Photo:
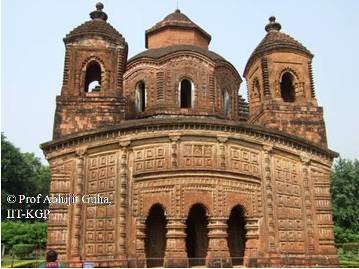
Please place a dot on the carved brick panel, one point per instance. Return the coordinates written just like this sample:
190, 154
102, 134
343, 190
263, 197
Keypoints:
289, 201
100, 219
323, 207
177, 195
244, 161
62, 173
195, 155
151, 158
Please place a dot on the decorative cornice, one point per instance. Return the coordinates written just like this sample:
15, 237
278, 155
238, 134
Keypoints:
149, 125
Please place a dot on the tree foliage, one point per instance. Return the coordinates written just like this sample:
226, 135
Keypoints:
14, 233
22, 173
345, 198
345, 194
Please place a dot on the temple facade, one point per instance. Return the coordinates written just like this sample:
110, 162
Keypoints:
194, 174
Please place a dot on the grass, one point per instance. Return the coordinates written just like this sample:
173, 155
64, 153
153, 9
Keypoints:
8, 261
349, 264
348, 258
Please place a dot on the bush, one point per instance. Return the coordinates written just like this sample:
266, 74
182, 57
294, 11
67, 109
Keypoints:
343, 236
13, 233
23, 250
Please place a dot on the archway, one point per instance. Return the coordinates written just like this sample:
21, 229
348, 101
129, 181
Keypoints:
185, 94
140, 97
155, 241
287, 88
197, 235
236, 235
93, 77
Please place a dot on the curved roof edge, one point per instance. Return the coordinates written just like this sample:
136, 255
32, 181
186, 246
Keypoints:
97, 26
235, 125
157, 54
176, 20
276, 40
162, 52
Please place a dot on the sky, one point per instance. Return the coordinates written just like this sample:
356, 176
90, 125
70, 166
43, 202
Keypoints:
32, 53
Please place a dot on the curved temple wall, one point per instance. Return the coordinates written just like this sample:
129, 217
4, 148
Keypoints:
282, 183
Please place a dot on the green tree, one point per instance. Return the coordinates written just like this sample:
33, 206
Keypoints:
15, 171
22, 173
345, 192
345, 198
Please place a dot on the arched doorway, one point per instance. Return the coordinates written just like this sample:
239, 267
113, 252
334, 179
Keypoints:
155, 241
197, 235
236, 235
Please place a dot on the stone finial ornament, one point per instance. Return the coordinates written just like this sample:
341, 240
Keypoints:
273, 25
98, 13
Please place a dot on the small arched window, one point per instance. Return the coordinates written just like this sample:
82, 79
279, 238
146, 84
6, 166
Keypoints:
140, 96
93, 77
226, 103
185, 94
287, 88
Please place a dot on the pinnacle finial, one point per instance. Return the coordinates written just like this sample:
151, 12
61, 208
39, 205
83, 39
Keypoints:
273, 25
99, 6
98, 13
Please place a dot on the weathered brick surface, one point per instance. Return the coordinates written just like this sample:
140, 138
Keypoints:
79, 114
176, 37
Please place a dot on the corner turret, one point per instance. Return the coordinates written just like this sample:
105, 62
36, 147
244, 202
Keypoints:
280, 86
92, 90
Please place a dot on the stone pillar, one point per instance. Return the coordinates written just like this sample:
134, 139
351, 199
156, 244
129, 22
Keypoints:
122, 198
218, 253
140, 244
308, 216
252, 239
269, 206
75, 249
176, 255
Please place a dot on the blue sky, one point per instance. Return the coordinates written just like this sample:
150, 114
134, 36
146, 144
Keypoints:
33, 53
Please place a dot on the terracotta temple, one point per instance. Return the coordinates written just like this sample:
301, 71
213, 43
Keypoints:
195, 175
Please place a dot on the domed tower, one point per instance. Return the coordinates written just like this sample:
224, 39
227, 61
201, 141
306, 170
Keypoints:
95, 60
178, 75
280, 87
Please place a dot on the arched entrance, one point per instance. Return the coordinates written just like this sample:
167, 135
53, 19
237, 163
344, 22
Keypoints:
197, 235
155, 241
236, 235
